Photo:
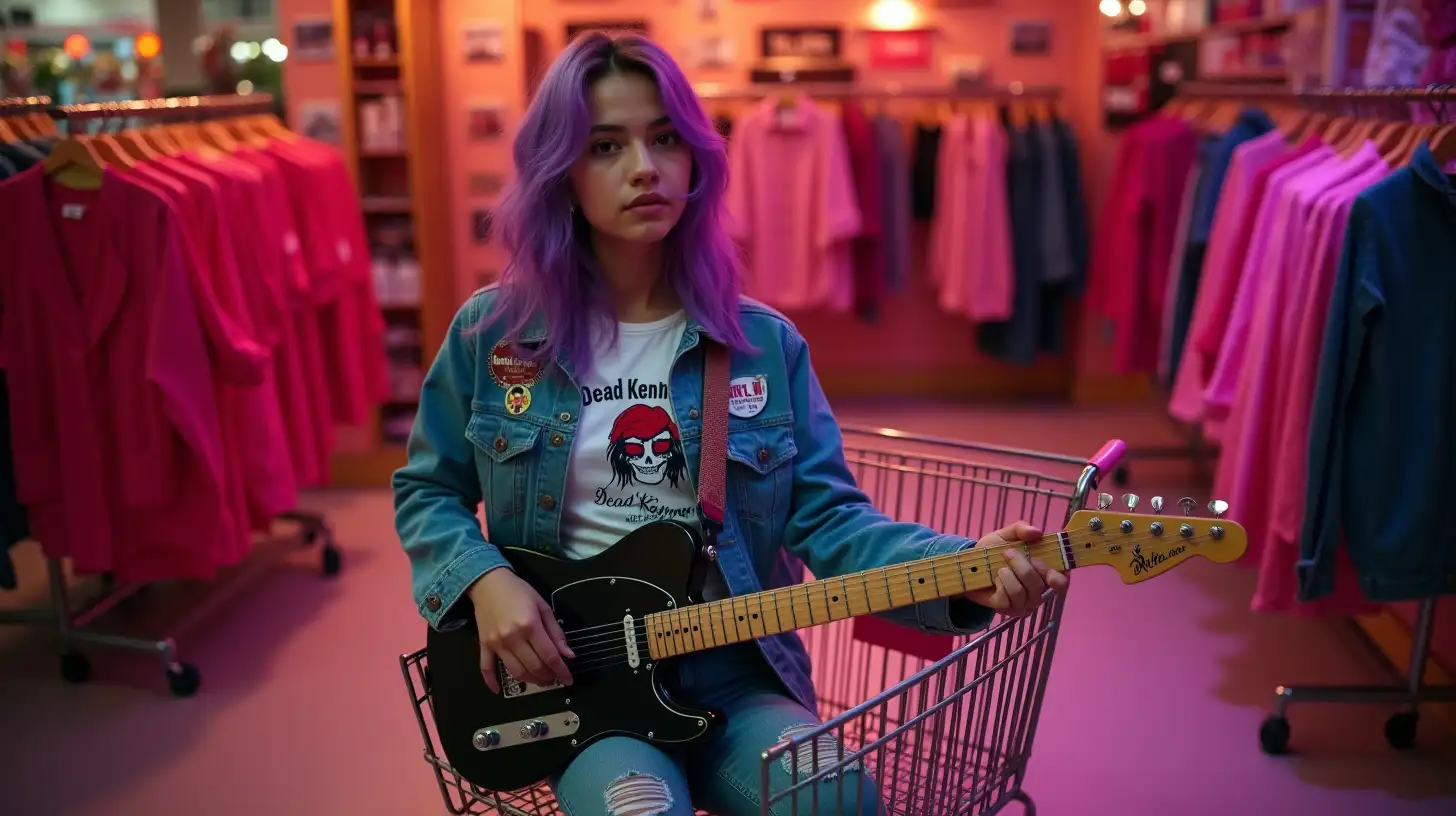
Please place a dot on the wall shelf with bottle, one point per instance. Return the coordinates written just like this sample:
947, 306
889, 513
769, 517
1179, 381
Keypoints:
390, 79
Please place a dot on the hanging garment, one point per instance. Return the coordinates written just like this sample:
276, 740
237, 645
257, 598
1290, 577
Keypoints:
970, 252
1382, 456
1131, 256
793, 206
923, 179
118, 451
895, 203
864, 161
1016, 340
14, 525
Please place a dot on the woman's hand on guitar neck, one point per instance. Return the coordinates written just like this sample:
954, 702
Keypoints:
517, 626
1021, 583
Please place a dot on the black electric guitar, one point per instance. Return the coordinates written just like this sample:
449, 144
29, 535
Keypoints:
627, 610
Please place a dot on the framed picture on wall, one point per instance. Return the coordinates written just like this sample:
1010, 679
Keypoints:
485, 121
1031, 38
485, 41
320, 120
313, 39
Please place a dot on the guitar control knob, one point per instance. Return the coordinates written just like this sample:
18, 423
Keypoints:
534, 729
485, 739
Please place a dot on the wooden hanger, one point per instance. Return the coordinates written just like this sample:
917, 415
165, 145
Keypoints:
42, 124
215, 135
137, 145
112, 152
74, 163
7, 134
1443, 145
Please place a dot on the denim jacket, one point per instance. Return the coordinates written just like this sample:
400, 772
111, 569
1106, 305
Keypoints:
790, 495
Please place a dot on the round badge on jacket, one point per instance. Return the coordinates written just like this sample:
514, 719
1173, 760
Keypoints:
518, 399
507, 369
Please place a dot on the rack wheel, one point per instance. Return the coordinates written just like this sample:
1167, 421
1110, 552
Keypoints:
183, 679
1274, 736
332, 559
1120, 476
75, 667
1400, 730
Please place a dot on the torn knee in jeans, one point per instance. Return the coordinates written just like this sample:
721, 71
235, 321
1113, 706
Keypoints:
638, 794
822, 753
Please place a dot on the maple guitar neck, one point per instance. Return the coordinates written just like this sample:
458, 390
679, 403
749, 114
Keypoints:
1137, 546
772, 612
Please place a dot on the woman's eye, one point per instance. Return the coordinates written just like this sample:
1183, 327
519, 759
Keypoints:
604, 147
668, 139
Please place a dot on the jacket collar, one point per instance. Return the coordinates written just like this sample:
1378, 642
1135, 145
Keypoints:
1430, 171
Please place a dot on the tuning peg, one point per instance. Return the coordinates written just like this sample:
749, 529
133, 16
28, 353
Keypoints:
1218, 507
1131, 499
1188, 505
1104, 501
1157, 504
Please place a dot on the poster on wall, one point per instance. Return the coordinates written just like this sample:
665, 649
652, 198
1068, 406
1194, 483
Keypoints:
313, 40
573, 29
485, 41
1031, 39
321, 120
901, 50
485, 184
481, 224
485, 121
713, 51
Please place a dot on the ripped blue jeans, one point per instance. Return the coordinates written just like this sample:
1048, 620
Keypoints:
720, 773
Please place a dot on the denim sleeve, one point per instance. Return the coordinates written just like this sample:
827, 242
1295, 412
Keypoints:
1340, 355
835, 530
437, 492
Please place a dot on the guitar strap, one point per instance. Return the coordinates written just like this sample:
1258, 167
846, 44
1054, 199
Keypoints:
712, 459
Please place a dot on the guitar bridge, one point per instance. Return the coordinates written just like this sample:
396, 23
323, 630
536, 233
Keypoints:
629, 631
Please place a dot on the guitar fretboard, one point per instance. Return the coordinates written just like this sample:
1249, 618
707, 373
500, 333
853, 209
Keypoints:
772, 612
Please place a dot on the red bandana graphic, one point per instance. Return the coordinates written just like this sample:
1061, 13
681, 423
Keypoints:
645, 448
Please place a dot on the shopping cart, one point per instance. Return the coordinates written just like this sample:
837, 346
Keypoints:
944, 725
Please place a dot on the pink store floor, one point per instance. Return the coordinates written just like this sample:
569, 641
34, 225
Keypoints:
1156, 693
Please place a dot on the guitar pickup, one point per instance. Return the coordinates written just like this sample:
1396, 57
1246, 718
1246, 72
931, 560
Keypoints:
629, 631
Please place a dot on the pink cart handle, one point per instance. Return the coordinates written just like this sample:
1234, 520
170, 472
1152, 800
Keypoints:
1107, 458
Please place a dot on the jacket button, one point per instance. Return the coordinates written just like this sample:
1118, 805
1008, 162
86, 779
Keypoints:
763, 455
500, 444
546, 502
564, 416
432, 603
557, 439
692, 413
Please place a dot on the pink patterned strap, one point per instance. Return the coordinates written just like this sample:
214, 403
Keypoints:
713, 461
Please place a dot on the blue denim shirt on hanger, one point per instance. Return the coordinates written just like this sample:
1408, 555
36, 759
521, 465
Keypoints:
790, 493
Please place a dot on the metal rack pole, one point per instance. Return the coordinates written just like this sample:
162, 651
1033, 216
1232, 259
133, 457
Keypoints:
72, 626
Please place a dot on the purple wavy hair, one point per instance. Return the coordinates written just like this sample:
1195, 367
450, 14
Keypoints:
551, 271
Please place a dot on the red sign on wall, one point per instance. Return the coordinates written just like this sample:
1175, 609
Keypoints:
901, 50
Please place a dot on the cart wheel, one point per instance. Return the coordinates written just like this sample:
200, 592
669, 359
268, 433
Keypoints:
75, 668
1274, 736
1400, 730
1119, 476
332, 559
183, 679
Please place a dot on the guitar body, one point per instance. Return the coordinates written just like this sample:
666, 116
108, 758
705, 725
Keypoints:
518, 738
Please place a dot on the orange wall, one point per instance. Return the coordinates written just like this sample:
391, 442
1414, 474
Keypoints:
914, 346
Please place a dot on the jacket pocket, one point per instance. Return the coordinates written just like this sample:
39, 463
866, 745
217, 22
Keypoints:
502, 446
766, 478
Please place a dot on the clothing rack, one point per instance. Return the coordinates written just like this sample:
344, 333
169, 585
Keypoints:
74, 626
1012, 92
1400, 728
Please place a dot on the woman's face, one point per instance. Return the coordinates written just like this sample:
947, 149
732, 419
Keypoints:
632, 182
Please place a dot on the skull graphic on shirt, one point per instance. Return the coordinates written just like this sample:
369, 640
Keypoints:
645, 447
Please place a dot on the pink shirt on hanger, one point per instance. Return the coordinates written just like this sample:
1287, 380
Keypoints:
121, 455
1308, 315
971, 232
1265, 247
791, 197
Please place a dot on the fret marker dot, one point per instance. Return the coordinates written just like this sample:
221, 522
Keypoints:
973, 569
922, 580
755, 616
740, 618
835, 599
695, 628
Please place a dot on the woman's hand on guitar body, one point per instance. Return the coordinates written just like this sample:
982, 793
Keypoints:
517, 626
1021, 583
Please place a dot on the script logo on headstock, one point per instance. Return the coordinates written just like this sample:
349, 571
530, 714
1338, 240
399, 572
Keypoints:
1147, 562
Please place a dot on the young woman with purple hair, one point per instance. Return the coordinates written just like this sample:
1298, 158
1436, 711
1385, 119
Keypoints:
568, 398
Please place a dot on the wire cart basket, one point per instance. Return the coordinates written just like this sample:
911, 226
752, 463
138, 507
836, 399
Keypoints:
943, 724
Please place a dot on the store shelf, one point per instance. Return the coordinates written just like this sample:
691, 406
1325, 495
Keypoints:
1118, 41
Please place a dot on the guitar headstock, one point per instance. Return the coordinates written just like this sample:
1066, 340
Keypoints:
1142, 545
